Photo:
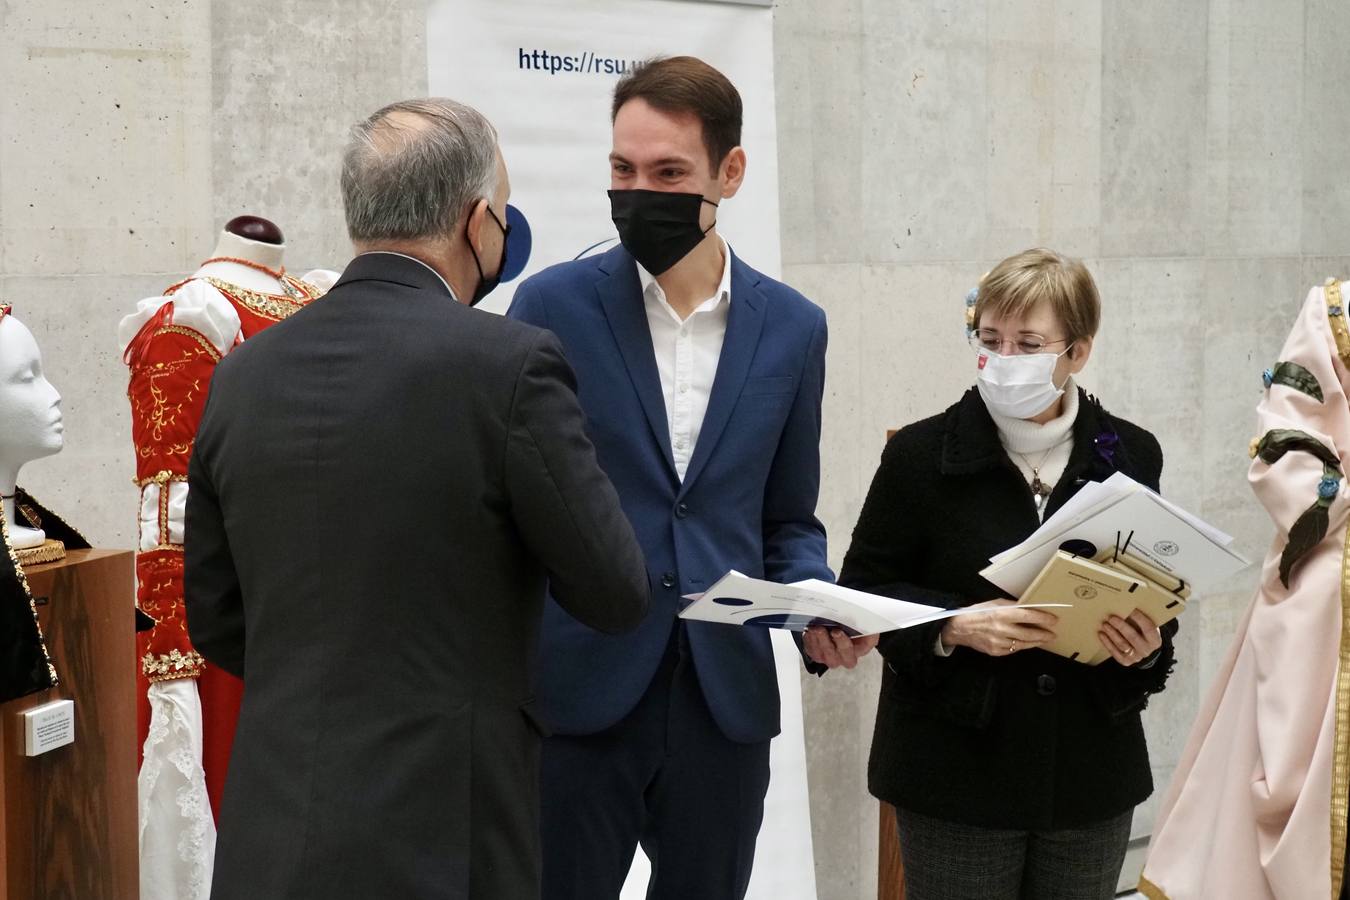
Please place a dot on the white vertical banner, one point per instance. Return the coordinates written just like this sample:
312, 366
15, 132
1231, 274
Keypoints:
543, 71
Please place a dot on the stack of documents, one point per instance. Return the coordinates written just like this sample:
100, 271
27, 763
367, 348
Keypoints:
1112, 586
1124, 517
738, 599
1116, 546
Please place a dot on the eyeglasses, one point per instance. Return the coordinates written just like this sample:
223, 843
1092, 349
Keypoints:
987, 339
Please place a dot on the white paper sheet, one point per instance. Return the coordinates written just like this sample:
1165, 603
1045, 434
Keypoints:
1155, 530
738, 599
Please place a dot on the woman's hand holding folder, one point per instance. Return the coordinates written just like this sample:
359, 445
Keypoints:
1131, 640
1002, 631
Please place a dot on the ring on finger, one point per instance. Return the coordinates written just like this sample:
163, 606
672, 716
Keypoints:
1012, 648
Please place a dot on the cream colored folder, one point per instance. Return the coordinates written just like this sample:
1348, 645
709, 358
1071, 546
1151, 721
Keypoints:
1097, 590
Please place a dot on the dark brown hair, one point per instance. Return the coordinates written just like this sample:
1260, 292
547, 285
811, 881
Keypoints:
685, 84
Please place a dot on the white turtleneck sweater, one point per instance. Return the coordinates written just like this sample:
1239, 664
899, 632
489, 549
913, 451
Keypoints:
1036, 450
1041, 450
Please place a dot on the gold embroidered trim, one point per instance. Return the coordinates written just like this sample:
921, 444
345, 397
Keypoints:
172, 665
184, 449
49, 551
270, 306
163, 413
197, 336
1150, 890
310, 291
27, 592
1340, 760
163, 514
161, 478
1336, 314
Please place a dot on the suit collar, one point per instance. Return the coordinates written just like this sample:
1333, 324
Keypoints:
745, 324
397, 268
620, 294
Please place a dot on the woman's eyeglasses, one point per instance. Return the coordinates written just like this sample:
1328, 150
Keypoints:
990, 340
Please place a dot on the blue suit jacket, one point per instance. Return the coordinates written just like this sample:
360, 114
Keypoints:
747, 501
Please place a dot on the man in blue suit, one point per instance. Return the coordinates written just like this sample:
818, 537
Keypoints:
701, 380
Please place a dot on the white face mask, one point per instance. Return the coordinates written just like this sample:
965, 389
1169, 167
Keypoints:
1020, 386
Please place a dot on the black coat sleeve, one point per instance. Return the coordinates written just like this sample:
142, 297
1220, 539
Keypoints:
212, 600
886, 556
1122, 689
565, 507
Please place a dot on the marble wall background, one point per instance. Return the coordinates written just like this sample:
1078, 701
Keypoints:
1191, 151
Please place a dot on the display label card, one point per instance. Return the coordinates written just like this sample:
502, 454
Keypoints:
48, 726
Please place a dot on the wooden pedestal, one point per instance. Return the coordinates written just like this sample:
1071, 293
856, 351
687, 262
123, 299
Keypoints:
891, 876
68, 828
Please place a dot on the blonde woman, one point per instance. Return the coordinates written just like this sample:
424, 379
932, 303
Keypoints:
1014, 771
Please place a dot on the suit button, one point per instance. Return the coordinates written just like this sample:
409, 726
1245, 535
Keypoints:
668, 580
1045, 685
682, 511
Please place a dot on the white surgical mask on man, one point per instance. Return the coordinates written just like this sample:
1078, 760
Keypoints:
1018, 386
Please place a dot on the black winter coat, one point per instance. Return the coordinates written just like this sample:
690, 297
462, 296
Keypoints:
1028, 741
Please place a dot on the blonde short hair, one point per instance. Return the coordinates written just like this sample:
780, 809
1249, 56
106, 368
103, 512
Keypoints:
1022, 282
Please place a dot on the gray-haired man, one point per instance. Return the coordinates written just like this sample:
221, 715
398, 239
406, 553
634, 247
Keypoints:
382, 485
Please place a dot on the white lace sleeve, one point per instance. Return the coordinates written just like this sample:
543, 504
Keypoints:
177, 830
196, 305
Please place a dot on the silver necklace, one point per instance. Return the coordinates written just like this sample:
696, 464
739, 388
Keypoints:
1040, 491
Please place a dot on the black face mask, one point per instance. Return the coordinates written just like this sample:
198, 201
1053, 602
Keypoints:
658, 227
486, 284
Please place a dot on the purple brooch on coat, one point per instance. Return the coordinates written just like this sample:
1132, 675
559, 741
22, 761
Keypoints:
1105, 444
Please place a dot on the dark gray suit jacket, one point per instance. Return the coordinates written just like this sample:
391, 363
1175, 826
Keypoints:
381, 488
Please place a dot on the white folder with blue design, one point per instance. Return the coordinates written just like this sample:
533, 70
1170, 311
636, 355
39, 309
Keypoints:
738, 599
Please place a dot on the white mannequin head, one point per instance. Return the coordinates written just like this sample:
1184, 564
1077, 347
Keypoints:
30, 410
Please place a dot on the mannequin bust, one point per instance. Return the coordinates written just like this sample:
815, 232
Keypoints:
255, 240
31, 410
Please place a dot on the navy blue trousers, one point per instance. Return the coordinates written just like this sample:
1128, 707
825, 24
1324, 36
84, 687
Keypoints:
665, 777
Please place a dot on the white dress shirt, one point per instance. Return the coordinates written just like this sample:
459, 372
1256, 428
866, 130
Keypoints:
687, 352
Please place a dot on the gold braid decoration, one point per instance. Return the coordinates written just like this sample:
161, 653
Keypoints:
161, 478
1336, 314
1150, 890
27, 592
1340, 771
269, 306
1340, 760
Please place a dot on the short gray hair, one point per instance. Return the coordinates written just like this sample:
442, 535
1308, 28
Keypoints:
404, 179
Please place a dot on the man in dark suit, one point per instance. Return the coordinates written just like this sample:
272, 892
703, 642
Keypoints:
382, 488
702, 381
